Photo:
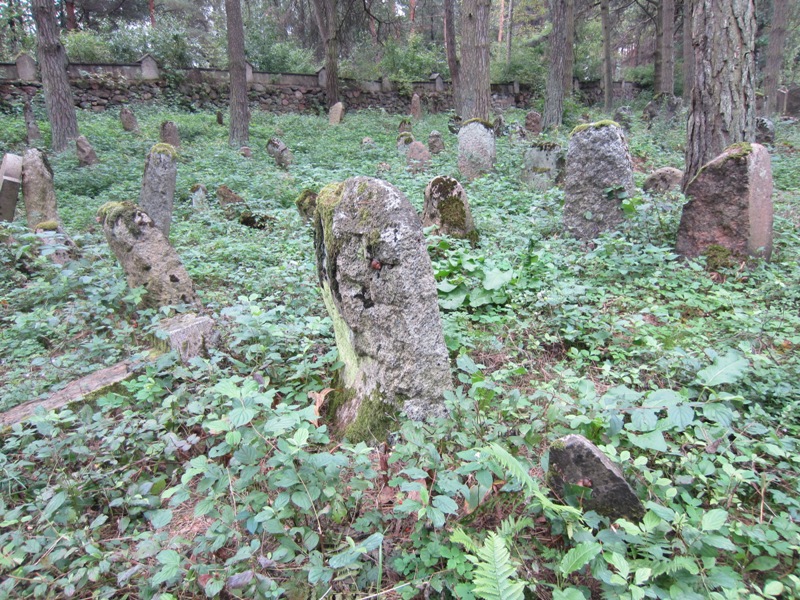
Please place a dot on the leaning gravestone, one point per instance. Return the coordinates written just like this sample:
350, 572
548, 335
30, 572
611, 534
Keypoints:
169, 134
447, 207
336, 114
10, 179
158, 186
577, 465
435, 142
533, 122
730, 205
280, 153
663, 180
37, 189
599, 175
543, 165
378, 286
416, 107
32, 129
418, 157
146, 255
128, 119
476, 148
86, 154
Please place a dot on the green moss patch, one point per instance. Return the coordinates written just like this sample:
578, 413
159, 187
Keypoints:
595, 125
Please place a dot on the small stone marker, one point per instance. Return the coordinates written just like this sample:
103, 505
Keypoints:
367, 142
230, 202
599, 175
476, 148
435, 142
32, 129
416, 107
199, 197
404, 127
306, 204
543, 165
246, 152
533, 122
663, 180
499, 126
146, 255
220, 118
378, 287
128, 120
404, 140
765, 131
336, 114
280, 153
454, 124
624, 115
446, 205
86, 154
169, 134
730, 205
575, 461
10, 180
417, 158
158, 186
189, 335
26, 67
37, 189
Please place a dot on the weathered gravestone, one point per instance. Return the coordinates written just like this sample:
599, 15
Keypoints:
418, 157
32, 129
128, 119
86, 154
378, 287
446, 205
236, 209
199, 197
37, 189
435, 142
476, 148
280, 153
579, 468
306, 204
499, 126
220, 118
791, 101
533, 122
624, 116
404, 140
404, 127
599, 175
10, 179
416, 107
765, 131
336, 114
169, 134
543, 165
663, 180
188, 334
246, 152
146, 255
730, 205
158, 186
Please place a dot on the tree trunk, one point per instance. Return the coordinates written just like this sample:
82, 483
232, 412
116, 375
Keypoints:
412, 15
450, 49
510, 30
668, 47
569, 48
53, 66
608, 84
325, 13
151, 7
658, 64
688, 57
501, 19
722, 111
72, 22
240, 111
775, 49
475, 82
554, 100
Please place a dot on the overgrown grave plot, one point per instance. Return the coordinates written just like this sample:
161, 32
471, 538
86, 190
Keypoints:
219, 475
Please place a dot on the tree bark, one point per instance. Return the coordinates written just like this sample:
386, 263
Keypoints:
475, 82
325, 14
452, 56
569, 48
412, 15
69, 8
53, 66
151, 8
722, 111
668, 47
608, 83
510, 30
501, 20
238, 134
554, 100
688, 57
658, 63
775, 49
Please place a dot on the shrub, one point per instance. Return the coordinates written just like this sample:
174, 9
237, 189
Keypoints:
87, 47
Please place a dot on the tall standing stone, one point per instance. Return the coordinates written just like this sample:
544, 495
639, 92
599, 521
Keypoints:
435, 142
418, 157
32, 129
146, 255
169, 134
476, 148
447, 207
128, 120
378, 286
543, 165
730, 205
10, 179
336, 114
37, 189
86, 154
599, 176
158, 186
416, 107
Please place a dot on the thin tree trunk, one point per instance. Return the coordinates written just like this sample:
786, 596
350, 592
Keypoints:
476, 85
658, 64
452, 56
412, 15
569, 48
775, 49
151, 6
688, 57
668, 47
722, 111
554, 101
240, 111
72, 22
510, 30
608, 89
501, 17
325, 13
53, 66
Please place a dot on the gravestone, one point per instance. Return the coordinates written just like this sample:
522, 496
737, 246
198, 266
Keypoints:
158, 186
26, 67
61, 247
730, 205
404, 140
169, 134
533, 122
416, 107
476, 148
86, 154
599, 175
765, 131
128, 120
306, 204
435, 142
32, 129
199, 197
454, 124
230, 202
378, 287
447, 207
791, 102
146, 255
404, 127
499, 126
336, 114
578, 467
10, 180
280, 153
37, 189
543, 165
418, 157
624, 116
367, 142
220, 118
246, 152
188, 334
663, 180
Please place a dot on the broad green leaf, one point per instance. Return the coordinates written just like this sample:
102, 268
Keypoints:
169, 557
53, 505
644, 419
652, 440
159, 518
579, 556
773, 588
680, 416
302, 500
763, 563
719, 413
466, 364
713, 520
568, 594
229, 388
213, 587
494, 279
454, 299
480, 297
445, 504
241, 415
726, 369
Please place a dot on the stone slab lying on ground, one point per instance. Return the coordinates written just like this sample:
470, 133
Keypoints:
188, 334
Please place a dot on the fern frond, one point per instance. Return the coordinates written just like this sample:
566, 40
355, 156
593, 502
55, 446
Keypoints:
494, 574
459, 536
511, 527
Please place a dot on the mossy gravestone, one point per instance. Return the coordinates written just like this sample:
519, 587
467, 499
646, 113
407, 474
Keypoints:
447, 207
476, 148
378, 286
158, 185
10, 179
38, 190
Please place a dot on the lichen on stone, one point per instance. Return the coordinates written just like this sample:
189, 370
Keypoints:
487, 124
111, 212
162, 148
47, 226
596, 125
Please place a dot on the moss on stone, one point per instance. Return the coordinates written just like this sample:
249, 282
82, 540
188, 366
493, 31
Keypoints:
306, 203
719, 257
487, 124
596, 125
739, 150
453, 212
375, 420
111, 212
163, 148
47, 226
405, 137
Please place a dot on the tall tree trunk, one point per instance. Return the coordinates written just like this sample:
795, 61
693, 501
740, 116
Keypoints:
668, 47
239, 133
325, 13
501, 18
510, 31
569, 48
151, 7
412, 15
722, 111
554, 101
688, 56
608, 83
452, 56
658, 63
72, 22
775, 47
475, 82
53, 66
